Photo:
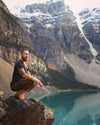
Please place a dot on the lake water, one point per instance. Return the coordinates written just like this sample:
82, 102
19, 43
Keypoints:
75, 108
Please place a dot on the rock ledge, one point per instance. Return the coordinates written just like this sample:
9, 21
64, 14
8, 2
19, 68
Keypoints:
24, 112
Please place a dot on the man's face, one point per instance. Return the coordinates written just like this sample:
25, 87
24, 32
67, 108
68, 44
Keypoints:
25, 55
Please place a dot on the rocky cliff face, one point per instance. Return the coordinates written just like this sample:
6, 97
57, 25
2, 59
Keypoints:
55, 42
91, 26
2, 5
11, 34
24, 112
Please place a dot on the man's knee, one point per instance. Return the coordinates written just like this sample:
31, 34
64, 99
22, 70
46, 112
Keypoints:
13, 88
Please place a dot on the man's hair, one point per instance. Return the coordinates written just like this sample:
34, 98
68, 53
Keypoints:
24, 50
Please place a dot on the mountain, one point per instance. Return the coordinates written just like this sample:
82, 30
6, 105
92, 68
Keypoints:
54, 32
56, 44
47, 13
91, 26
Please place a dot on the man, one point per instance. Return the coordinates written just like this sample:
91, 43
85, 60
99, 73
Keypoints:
22, 80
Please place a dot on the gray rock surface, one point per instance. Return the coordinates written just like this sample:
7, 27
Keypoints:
24, 112
91, 26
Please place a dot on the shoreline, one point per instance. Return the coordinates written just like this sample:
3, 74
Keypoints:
51, 90
79, 90
39, 93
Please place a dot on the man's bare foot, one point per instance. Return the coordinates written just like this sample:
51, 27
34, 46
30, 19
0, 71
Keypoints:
20, 94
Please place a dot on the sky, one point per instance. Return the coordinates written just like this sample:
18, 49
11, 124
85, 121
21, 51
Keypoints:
78, 5
75, 5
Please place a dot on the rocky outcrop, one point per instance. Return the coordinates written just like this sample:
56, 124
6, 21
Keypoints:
24, 112
2, 5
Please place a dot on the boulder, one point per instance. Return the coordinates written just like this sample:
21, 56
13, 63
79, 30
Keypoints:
14, 111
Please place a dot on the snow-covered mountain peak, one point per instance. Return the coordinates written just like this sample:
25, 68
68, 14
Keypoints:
19, 5
48, 12
88, 15
90, 19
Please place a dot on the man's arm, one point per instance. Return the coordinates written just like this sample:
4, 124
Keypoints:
29, 77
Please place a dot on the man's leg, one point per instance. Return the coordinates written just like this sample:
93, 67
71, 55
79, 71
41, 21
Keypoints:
23, 86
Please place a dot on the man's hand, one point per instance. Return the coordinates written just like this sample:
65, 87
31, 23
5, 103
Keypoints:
39, 83
28, 76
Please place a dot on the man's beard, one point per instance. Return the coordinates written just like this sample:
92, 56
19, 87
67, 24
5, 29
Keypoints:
25, 59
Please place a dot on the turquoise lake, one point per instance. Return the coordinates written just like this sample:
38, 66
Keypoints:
75, 108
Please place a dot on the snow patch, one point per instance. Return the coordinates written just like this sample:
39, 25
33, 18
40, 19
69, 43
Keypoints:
93, 51
49, 25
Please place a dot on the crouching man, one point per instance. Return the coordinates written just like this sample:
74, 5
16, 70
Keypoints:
22, 81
